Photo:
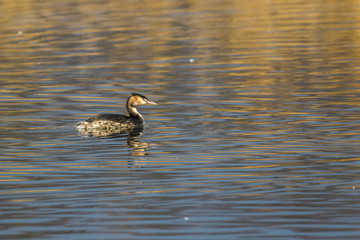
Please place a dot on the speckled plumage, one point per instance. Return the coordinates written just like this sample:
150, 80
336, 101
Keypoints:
107, 121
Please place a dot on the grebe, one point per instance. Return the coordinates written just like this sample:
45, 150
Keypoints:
112, 122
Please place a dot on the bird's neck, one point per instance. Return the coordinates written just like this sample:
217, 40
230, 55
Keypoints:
133, 112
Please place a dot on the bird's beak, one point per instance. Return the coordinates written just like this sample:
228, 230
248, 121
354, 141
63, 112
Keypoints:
151, 103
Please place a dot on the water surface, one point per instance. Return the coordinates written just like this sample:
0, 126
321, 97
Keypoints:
255, 135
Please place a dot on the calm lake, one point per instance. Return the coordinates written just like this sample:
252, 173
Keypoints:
255, 135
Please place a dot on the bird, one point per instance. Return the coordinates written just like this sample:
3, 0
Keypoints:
117, 122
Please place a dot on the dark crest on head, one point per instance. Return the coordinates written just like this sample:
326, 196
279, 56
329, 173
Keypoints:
138, 94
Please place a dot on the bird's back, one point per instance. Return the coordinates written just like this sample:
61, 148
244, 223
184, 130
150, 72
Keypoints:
109, 121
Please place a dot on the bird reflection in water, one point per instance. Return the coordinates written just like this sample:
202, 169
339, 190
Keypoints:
138, 148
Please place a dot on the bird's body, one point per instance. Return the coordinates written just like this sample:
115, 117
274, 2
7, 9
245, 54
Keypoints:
113, 122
